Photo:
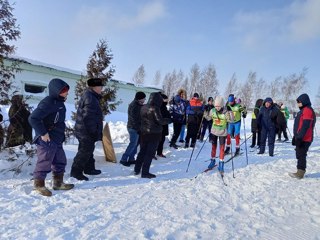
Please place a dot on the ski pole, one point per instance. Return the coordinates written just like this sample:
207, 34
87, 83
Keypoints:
245, 138
190, 159
289, 132
232, 160
201, 148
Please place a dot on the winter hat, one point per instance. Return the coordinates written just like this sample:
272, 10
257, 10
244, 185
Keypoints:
140, 96
231, 98
219, 102
196, 95
269, 100
64, 90
95, 82
210, 99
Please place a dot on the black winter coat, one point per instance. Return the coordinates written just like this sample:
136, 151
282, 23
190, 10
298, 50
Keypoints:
50, 114
134, 118
152, 120
267, 117
89, 121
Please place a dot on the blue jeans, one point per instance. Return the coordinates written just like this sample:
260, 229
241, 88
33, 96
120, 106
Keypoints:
183, 129
132, 147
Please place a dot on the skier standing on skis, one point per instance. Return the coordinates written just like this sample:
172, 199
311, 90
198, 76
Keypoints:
235, 110
220, 117
303, 133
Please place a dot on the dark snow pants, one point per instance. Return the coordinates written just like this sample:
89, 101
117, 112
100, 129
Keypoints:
301, 155
269, 133
192, 132
84, 160
51, 157
145, 155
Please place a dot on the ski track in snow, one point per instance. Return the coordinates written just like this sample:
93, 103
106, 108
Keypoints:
261, 202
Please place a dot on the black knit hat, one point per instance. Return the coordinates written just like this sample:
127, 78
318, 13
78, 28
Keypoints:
210, 99
196, 95
140, 95
95, 82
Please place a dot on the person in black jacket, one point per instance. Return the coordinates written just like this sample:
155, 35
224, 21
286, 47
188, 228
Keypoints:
151, 131
267, 121
165, 128
48, 122
256, 133
88, 130
133, 127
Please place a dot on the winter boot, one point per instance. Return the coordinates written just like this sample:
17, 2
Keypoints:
212, 163
58, 183
201, 138
173, 145
92, 172
186, 145
193, 145
76, 173
237, 151
221, 167
227, 150
299, 174
40, 187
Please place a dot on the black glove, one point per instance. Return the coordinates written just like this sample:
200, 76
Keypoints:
229, 108
244, 115
299, 142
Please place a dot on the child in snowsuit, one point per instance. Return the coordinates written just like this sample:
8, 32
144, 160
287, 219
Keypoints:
48, 122
220, 117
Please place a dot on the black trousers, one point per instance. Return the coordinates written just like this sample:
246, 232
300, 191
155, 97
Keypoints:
176, 132
192, 132
145, 155
301, 155
84, 159
160, 146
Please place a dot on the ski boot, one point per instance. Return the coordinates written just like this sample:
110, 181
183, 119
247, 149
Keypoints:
237, 152
212, 163
221, 167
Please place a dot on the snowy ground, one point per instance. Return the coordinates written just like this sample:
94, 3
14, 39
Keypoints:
261, 202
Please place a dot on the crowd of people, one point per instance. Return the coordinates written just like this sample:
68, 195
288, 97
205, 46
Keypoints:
148, 125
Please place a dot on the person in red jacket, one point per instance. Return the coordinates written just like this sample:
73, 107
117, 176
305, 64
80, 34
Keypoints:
303, 133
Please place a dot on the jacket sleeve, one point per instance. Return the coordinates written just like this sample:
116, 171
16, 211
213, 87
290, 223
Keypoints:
37, 116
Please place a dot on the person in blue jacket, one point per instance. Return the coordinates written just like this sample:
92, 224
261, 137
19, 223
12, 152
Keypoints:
48, 122
267, 121
88, 130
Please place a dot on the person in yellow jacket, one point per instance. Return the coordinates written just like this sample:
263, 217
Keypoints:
219, 132
235, 110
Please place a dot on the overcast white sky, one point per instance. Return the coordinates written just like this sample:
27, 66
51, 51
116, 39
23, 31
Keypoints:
273, 38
